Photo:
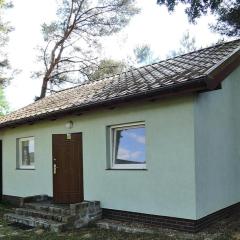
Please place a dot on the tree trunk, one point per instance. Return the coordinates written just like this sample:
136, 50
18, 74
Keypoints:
44, 88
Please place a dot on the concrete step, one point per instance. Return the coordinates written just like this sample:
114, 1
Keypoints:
43, 214
56, 217
35, 222
54, 209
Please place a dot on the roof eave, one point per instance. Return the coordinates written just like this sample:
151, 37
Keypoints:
195, 85
219, 72
209, 81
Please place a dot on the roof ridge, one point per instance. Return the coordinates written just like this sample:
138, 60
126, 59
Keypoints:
164, 60
205, 48
88, 82
136, 83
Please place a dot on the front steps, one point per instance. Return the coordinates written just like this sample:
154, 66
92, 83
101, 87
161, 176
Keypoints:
56, 217
36, 222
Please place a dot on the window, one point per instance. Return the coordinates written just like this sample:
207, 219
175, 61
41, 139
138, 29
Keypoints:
26, 153
128, 147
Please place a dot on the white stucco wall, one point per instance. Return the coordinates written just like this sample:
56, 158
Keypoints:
166, 188
217, 142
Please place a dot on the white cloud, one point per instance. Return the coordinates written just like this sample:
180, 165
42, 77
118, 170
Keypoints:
138, 138
126, 154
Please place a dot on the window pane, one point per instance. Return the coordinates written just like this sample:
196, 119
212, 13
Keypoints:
27, 148
130, 145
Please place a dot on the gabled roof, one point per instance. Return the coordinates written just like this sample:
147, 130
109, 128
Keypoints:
196, 71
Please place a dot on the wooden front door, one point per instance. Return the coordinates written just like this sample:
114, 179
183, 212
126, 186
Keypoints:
67, 168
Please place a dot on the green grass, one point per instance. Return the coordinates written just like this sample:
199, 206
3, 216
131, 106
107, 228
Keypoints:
228, 229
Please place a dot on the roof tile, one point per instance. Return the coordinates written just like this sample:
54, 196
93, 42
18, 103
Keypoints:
171, 72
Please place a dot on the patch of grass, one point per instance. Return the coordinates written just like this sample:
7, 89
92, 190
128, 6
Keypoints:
88, 234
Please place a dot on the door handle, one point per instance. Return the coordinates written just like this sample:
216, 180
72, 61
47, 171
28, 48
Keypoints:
54, 168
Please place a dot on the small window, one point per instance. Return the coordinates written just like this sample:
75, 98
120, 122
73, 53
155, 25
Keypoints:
26, 153
128, 147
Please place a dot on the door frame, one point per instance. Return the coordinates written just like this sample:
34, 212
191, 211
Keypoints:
81, 157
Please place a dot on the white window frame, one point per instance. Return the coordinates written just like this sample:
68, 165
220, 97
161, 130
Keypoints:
20, 165
113, 130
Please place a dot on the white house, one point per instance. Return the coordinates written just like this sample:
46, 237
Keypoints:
158, 144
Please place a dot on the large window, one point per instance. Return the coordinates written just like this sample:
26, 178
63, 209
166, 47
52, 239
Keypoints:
128, 146
26, 153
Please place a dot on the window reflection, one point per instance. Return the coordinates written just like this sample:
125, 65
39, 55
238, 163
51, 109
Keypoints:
130, 145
